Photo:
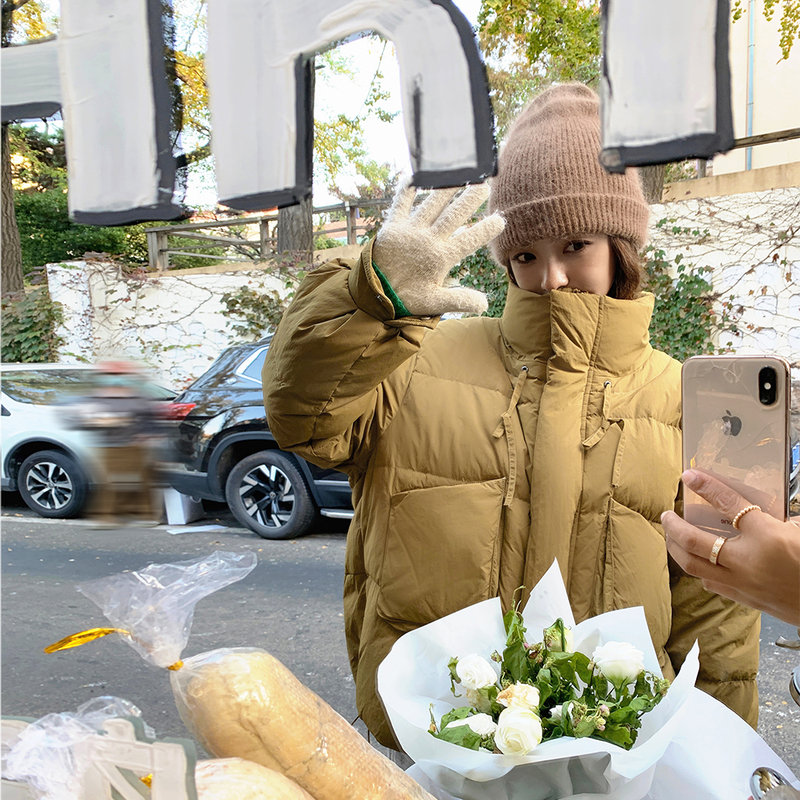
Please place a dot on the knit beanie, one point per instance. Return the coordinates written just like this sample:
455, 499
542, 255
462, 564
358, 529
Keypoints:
550, 183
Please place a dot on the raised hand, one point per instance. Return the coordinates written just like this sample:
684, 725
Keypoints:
416, 249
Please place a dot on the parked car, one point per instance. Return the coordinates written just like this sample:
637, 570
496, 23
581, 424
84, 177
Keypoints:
220, 448
48, 462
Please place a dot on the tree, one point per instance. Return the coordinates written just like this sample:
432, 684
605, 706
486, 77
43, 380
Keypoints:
29, 19
535, 44
338, 145
788, 23
11, 252
339, 138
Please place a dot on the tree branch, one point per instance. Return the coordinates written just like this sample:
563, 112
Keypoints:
198, 154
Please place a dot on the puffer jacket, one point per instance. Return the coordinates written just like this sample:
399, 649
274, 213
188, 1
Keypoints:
479, 449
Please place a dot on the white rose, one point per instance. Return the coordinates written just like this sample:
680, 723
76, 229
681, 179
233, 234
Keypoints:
518, 731
520, 695
475, 672
552, 638
620, 662
482, 724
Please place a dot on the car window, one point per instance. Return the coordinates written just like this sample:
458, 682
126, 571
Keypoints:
45, 387
252, 367
56, 386
156, 392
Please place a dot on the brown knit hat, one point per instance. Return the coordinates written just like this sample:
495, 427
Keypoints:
550, 182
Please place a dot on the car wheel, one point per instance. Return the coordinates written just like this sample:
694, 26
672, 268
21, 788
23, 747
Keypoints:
267, 493
52, 484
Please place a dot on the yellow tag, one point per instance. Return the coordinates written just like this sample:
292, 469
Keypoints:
176, 666
147, 780
77, 639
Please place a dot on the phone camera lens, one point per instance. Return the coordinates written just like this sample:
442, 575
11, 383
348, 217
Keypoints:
767, 379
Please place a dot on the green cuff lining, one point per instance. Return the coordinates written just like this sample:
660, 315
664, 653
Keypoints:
400, 309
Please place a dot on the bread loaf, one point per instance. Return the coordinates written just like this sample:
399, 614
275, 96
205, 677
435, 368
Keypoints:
244, 703
237, 779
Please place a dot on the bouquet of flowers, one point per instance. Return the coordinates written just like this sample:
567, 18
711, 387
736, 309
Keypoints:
583, 752
548, 690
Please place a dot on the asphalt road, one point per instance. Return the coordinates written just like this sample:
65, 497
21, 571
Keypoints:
289, 605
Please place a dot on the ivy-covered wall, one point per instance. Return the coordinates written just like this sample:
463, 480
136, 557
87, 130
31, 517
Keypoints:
174, 323
748, 246
725, 272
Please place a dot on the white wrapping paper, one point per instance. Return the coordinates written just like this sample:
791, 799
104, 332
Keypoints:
414, 677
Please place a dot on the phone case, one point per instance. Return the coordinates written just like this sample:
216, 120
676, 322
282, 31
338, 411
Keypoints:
730, 433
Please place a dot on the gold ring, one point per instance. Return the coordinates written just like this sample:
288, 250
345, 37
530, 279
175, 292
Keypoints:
746, 510
716, 547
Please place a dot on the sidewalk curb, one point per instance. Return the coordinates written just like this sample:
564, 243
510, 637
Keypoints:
84, 523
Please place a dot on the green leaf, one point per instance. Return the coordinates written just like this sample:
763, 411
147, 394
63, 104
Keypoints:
462, 735
457, 713
515, 655
617, 734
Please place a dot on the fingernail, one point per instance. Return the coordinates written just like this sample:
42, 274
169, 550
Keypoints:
690, 478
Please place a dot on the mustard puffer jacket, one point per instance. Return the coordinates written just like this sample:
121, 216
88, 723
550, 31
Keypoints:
480, 449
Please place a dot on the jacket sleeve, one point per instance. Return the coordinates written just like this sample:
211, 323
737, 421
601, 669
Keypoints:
338, 364
728, 634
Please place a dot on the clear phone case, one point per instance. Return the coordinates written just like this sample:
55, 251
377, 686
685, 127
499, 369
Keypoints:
736, 427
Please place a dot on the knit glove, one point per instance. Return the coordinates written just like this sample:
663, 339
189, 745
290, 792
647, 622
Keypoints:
416, 251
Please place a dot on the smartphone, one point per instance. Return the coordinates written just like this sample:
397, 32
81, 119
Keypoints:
736, 418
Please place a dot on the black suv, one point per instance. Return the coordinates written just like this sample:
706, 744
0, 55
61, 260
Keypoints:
219, 447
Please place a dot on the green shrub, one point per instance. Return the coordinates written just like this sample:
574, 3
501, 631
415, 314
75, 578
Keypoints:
324, 242
29, 327
685, 318
480, 271
47, 235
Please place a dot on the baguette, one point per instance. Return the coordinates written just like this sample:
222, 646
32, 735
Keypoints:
244, 703
237, 779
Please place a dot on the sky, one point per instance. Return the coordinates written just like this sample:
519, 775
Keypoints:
385, 142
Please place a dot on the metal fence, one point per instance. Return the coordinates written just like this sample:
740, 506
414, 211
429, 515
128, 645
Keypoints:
253, 237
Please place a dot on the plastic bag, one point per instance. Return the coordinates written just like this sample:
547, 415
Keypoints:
240, 702
43, 754
153, 608
243, 703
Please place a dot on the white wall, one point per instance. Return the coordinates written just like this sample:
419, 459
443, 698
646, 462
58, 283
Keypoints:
174, 323
752, 244
171, 322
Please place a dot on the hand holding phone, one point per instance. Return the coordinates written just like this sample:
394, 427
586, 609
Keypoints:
736, 428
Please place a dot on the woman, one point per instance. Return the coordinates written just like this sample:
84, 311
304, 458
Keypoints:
481, 449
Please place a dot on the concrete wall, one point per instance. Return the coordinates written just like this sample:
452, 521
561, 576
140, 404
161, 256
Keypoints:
779, 176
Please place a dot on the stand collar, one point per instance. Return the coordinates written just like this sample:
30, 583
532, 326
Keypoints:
578, 328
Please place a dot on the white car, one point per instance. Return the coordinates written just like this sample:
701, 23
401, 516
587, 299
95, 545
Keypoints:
49, 463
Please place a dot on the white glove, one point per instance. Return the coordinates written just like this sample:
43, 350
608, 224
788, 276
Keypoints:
416, 251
